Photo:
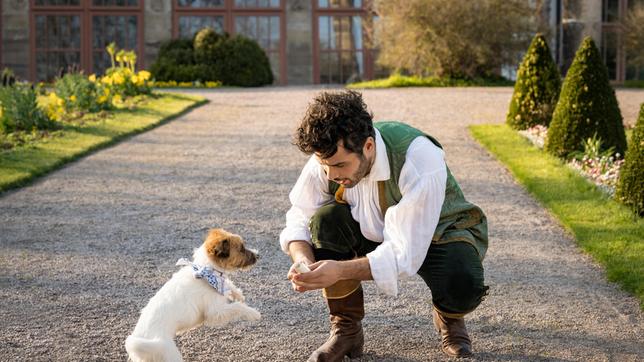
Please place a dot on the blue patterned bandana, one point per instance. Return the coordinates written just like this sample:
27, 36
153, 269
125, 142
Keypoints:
214, 277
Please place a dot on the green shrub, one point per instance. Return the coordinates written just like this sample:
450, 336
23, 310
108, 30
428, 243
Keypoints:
537, 88
236, 61
175, 61
19, 110
241, 62
179, 51
8, 78
78, 93
205, 45
122, 78
587, 105
630, 187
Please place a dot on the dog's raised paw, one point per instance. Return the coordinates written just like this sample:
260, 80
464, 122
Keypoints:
253, 314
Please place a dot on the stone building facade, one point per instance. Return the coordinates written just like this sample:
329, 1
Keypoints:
307, 41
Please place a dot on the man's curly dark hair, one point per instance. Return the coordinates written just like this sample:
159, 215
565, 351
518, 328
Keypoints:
334, 116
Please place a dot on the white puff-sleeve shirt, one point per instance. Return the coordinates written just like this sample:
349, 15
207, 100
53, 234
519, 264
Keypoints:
406, 231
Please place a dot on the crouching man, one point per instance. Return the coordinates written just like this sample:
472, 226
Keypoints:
376, 201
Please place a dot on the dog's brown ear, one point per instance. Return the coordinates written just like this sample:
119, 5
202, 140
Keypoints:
222, 249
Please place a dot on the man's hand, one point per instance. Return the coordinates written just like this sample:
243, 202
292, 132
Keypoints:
292, 273
323, 274
300, 251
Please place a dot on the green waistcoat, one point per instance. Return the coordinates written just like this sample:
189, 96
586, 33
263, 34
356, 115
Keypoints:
459, 220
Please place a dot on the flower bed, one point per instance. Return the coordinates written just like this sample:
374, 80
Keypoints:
195, 84
598, 167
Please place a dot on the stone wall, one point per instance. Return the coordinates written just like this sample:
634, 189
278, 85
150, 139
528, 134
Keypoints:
299, 42
157, 27
15, 36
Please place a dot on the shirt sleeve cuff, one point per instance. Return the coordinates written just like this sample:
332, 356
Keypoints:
383, 269
288, 235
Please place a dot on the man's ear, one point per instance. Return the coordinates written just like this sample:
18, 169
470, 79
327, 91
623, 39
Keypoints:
222, 249
369, 144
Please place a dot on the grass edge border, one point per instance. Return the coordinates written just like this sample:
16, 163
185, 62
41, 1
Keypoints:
585, 245
33, 177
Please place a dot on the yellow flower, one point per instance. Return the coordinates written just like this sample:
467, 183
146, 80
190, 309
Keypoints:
135, 79
106, 91
106, 80
185, 84
144, 74
92, 78
118, 78
102, 99
72, 98
117, 99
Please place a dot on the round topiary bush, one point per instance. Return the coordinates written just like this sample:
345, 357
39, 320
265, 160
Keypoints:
175, 61
205, 44
630, 187
586, 106
235, 61
242, 62
537, 88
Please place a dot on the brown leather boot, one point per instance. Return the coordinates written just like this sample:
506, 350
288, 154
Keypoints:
455, 342
346, 309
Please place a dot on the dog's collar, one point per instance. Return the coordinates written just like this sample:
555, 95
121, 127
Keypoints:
214, 277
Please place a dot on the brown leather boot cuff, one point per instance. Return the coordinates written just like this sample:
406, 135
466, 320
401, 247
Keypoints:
341, 289
452, 315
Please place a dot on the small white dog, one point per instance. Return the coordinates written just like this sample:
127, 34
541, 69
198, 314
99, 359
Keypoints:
199, 293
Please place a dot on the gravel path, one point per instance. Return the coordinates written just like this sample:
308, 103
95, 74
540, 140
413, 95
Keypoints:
84, 248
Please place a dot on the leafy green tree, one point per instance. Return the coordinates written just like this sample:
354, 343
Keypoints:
447, 38
630, 187
587, 106
537, 87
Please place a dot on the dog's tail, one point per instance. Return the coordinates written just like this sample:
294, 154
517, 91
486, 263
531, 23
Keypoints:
152, 350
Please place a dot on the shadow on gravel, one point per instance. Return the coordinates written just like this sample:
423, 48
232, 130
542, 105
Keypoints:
541, 343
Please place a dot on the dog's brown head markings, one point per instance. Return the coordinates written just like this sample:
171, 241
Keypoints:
228, 251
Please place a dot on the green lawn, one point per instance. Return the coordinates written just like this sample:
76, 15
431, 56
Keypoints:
22, 164
397, 80
605, 229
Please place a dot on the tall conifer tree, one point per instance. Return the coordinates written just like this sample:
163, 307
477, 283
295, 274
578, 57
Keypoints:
587, 106
630, 187
537, 87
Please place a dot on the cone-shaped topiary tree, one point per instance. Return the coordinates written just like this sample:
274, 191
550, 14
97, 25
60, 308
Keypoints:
537, 87
586, 106
630, 187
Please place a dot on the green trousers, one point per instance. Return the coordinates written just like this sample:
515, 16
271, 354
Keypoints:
452, 271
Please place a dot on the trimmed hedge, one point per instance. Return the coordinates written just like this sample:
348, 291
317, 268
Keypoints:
587, 106
630, 187
175, 61
537, 88
242, 63
234, 61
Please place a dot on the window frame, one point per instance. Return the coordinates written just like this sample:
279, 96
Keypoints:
364, 12
86, 11
229, 12
614, 27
